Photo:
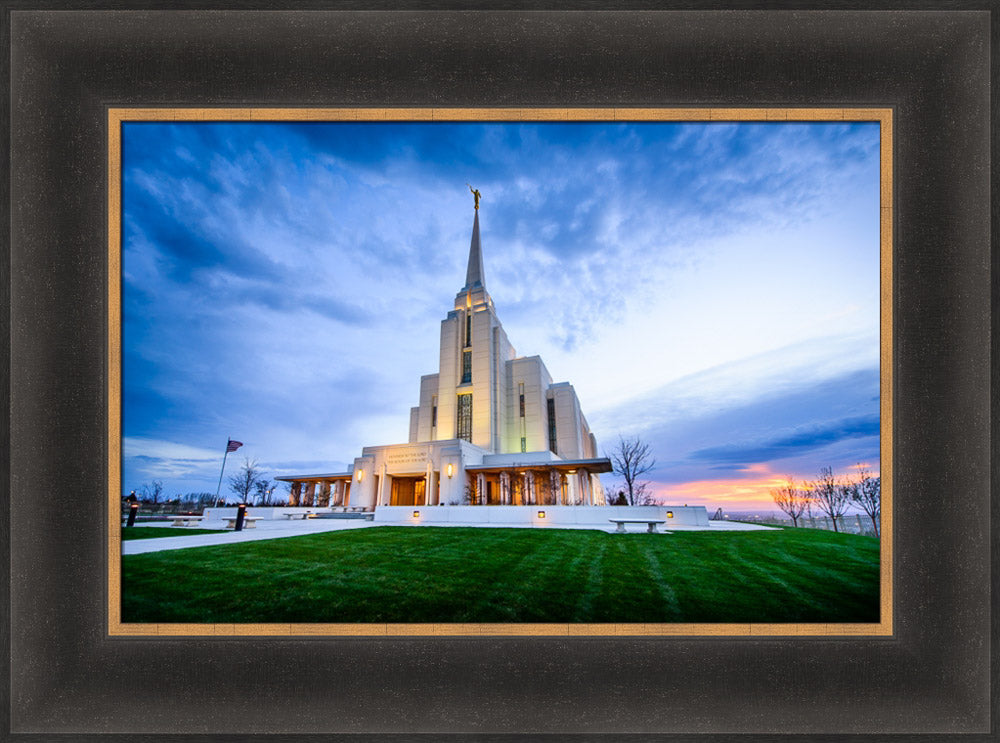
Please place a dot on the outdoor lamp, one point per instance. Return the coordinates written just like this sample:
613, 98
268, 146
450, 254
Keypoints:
361, 475
541, 514
451, 469
670, 514
416, 514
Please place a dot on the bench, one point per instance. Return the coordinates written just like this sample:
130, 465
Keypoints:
186, 520
249, 522
652, 524
293, 515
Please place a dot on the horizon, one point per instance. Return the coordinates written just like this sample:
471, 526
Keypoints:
710, 288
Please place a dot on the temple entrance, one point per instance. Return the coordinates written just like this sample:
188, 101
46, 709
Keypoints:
408, 491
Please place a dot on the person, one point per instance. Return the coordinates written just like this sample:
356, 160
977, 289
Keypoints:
475, 193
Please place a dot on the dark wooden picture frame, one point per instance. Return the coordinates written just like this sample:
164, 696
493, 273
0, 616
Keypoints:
931, 676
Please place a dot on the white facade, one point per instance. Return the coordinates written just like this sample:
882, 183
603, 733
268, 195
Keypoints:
490, 427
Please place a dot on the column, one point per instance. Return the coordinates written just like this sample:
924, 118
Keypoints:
555, 486
588, 491
481, 489
505, 488
381, 486
529, 488
296, 494
324, 495
307, 499
429, 485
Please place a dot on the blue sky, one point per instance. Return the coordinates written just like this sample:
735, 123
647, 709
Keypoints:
712, 288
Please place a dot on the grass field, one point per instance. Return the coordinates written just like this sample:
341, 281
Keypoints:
452, 574
155, 532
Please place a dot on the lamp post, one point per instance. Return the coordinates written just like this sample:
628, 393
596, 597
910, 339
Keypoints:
133, 509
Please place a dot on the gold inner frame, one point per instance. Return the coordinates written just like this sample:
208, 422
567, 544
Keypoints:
116, 116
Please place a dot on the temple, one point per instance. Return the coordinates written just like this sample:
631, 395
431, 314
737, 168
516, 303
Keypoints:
491, 428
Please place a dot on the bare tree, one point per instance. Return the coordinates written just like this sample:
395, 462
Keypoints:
791, 499
152, 492
831, 496
201, 500
631, 459
866, 494
262, 491
470, 497
244, 481
810, 498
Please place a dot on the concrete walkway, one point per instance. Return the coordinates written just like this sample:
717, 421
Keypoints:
263, 530
278, 529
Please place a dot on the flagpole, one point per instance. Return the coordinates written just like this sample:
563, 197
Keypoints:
219, 486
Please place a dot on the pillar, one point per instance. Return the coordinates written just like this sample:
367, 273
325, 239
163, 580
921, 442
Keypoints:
480, 489
296, 494
324, 495
429, 485
381, 486
555, 486
307, 499
529, 488
505, 488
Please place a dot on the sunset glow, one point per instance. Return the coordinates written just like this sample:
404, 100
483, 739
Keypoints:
749, 492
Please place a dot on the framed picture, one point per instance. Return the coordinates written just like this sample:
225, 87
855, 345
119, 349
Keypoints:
477, 471
917, 668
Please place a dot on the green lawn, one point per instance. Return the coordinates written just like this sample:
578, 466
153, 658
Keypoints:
154, 532
453, 574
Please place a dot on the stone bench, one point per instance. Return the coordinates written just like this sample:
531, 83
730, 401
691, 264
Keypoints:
652, 524
296, 515
186, 520
249, 522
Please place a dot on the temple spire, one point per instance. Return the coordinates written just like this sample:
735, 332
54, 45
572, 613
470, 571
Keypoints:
474, 274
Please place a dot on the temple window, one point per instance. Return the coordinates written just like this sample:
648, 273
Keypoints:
466, 367
464, 422
552, 425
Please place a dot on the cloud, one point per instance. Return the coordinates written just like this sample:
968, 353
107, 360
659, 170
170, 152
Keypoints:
804, 439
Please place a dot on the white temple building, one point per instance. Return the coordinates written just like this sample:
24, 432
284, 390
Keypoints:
491, 428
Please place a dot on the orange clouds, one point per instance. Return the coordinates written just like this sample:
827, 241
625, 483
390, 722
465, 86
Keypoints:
750, 489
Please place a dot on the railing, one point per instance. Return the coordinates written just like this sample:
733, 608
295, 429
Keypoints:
853, 523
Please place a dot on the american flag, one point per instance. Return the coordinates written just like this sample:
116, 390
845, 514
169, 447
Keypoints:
233, 445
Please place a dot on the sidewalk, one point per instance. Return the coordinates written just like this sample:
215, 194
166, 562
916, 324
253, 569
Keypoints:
267, 529
263, 530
